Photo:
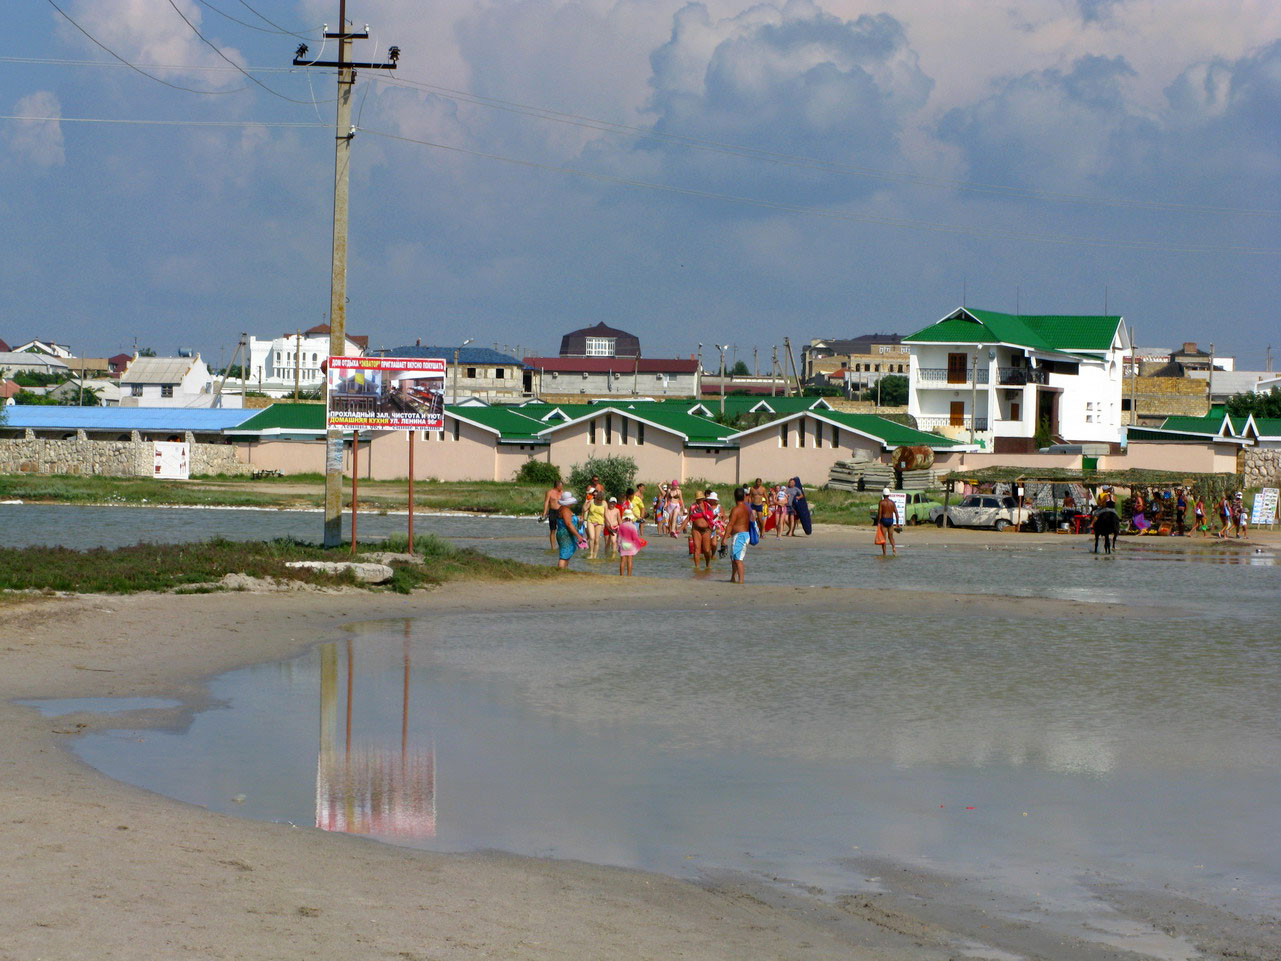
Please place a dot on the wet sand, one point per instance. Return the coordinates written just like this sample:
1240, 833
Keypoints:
97, 868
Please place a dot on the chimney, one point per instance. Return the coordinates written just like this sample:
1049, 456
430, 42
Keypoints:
1189, 346
418, 341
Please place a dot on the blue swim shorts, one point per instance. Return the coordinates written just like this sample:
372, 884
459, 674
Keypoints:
739, 549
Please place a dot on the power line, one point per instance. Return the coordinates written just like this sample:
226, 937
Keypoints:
257, 14
214, 47
838, 215
792, 160
98, 43
170, 123
251, 26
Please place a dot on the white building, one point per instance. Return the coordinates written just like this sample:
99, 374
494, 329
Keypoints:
171, 382
1004, 377
274, 363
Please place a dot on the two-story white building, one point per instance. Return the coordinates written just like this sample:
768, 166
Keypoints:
170, 382
277, 366
1006, 379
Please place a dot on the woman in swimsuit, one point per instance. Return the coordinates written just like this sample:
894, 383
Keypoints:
568, 537
675, 507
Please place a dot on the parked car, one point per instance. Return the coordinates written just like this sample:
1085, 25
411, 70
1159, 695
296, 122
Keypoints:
982, 510
919, 509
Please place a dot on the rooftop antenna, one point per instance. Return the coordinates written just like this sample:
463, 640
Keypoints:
1017, 310
965, 289
1105, 300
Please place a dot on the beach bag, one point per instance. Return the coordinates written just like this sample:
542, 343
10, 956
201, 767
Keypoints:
880, 534
753, 534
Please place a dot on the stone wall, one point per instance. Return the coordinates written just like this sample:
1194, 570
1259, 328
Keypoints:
1261, 467
1157, 398
108, 458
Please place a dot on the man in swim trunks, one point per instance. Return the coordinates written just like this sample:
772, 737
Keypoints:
887, 517
740, 518
551, 508
757, 495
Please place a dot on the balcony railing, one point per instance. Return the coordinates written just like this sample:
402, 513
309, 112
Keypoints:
929, 423
945, 377
1018, 376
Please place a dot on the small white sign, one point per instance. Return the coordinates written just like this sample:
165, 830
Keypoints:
1265, 507
900, 503
173, 460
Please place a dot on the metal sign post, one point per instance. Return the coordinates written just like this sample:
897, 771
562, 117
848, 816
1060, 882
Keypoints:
411, 491
355, 474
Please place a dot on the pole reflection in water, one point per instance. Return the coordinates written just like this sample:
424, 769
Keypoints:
368, 788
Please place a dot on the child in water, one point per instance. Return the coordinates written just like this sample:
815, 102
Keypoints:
629, 543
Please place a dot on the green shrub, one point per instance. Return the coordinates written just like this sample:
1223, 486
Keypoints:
616, 473
539, 472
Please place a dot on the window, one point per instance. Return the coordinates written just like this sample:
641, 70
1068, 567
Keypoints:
166, 390
499, 373
800, 432
609, 428
591, 431
471, 372
135, 390
640, 433
600, 346
622, 431
455, 428
836, 436
782, 435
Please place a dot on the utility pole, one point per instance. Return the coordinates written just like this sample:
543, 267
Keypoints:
773, 374
243, 350
722, 348
344, 132
1134, 374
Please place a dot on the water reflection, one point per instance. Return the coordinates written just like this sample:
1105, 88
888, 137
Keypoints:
368, 787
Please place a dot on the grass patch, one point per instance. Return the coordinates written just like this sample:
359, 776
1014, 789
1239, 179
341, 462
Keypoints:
191, 568
131, 491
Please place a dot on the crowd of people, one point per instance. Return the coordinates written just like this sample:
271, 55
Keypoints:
1166, 511
607, 527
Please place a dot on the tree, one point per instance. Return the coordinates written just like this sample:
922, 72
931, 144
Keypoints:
740, 370
1260, 405
893, 391
146, 352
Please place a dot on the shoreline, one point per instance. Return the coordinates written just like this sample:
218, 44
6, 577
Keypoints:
124, 873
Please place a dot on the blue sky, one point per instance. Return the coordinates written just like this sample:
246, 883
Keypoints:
720, 172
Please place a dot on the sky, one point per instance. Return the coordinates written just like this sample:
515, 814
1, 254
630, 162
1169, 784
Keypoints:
721, 172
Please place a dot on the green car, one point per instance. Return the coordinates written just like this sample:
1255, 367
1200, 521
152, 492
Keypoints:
919, 505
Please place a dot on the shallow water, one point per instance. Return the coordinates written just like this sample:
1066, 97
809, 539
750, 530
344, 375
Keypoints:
786, 745
1215, 576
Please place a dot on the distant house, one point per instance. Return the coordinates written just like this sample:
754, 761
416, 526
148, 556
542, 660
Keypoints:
480, 372
117, 364
1007, 378
8, 390
20, 362
170, 382
46, 347
599, 341
276, 366
4, 348
106, 390
603, 361
865, 358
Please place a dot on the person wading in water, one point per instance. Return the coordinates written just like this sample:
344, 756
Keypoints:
886, 520
551, 508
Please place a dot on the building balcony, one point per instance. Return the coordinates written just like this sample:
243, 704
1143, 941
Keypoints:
945, 420
946, 377
1018, 376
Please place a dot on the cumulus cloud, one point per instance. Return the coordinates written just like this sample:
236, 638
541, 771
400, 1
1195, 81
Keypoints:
152, 32
39, 143
790, 79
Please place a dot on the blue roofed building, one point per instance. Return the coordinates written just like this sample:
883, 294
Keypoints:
472, 371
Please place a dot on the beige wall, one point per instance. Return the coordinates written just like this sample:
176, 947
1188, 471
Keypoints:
659, 458
976, 461
761, 454
716, 464
1194, 458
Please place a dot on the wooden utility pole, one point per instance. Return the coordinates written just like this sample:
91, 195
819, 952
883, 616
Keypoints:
344, 133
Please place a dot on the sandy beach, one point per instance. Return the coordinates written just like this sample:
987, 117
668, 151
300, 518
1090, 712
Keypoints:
97, 868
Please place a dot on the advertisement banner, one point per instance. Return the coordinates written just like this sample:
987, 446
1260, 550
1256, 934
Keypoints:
1265, 508
899, 499
173, 460
385, 393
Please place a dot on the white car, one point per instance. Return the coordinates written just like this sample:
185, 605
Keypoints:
982, 510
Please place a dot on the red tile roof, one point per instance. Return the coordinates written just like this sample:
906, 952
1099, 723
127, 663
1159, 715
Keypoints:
610, 365
4, 348
8, 388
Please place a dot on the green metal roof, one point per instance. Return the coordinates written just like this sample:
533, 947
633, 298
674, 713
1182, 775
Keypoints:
698, 431
1268, 426
286, 417
512, 425
891, 434
1210, 424
1052, 332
